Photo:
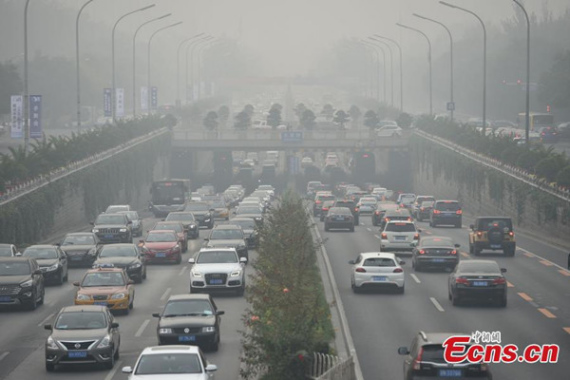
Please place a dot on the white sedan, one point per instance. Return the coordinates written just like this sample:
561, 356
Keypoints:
399, 235
171, 362
389, 131
377, 270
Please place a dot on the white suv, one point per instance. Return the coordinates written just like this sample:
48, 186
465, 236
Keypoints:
399, 235
217, 269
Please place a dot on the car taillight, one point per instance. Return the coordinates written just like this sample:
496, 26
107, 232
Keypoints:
416, 236
409, 219
436, 212
356, 209
376, 212
459, 212
454, 252
386, 220
479, 233
318, 202
384, 235
325, 209
422, 209
511, 233
398, 270
461, 280
361, 270
417, 366
499, 281
422, 252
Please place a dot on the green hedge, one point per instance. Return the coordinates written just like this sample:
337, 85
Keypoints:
289, 315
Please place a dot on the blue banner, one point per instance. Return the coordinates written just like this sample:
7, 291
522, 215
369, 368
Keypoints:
36, 117
292, 137
107, 102
154, 98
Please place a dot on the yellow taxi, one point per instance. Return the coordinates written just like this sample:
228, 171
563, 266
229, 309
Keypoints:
106, 286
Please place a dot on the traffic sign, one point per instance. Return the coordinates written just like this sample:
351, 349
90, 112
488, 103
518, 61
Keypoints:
292, 137
293, 164
451, 106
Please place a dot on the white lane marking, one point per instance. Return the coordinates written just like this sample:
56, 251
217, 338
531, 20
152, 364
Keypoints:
436, 304
141, 329
369, 229
44, 321
416, 279
166, 293
377, 237
556, 265
112, 372
182, 270
2, 356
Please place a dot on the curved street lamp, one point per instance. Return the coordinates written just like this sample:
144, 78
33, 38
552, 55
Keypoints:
375, 49
429, 60
178, 102
26, 90
401, 69
78, 78
190, 58
527, 116
391, 68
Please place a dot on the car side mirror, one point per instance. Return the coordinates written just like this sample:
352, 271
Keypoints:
419, 230
114, 325
243, 260
402, 262
127, 370
503, 270
129, 222
351, 262
220, 312
130, 282
156, 315
141, 241
472, 226
191, 260
209, 368
403, 351
76, 283
48, 327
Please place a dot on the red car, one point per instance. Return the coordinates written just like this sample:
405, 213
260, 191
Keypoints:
162, 246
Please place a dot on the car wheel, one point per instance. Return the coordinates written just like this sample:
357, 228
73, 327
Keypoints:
448, 294
510, 252
66, 276
454, 300
42, 299
179, 259
326, 227
33, 304
401, 290
214, 346
241, 290
352, 229
503, 301
111, 363
50, 367
355, 288
417, 267
144, 273
471, 248
138, 279
60, 278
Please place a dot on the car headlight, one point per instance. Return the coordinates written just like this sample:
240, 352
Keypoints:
196, 274
82, 297
92, 252
52, 268
118, 296
27, 284
236, 273
165, 331
258, 218
208, 329
105, 342
135, 266
206, 219
50, 343
95, 230
192, 226
123, 230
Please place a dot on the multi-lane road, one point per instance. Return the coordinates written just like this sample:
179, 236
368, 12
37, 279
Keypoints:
22, 335
538, 309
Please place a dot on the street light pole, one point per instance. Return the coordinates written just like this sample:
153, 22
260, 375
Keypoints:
26, 94
391, 68
178, 101
401, 69
374, 47
199, 65
452, 108
135, 60
429, 60
78, 78
190, 49
148, 59
484, 125
113, 95
527, 116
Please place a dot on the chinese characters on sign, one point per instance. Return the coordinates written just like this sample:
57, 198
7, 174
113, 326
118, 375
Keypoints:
107, 102
17, 117
36, 117
154, 98
292, 137
120, 95
144, 98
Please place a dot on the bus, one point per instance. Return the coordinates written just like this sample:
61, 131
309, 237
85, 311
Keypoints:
536, 120
168, 195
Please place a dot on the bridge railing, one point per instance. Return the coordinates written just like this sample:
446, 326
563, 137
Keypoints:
330, 367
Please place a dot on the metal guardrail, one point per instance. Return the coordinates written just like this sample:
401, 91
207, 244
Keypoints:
330, 367
62, 172
512, 171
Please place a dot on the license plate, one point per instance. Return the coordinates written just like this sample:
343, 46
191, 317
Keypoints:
379, 278
495, 246
216, 281
77, 354
160, 255
480, 283
5, 299
450, 373
100, 303
437, 260
187, 338
76, 258
108, 236
399, 237
339, 218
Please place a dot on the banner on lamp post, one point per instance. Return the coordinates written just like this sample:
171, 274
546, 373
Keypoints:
154, 98
144, 98
36, 117
17, 116
108, 102
120, 96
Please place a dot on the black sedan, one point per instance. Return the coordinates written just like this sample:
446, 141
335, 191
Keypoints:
203, 213
81, 248
190, 319
478, 279
125, 256
435, 252
52, 261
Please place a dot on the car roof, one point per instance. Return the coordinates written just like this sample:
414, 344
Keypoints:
96, 270
494, 217
386, 255
78, 234
111, 213
217, 249
159, 231
193, 296
79, 308
400, 222
179, 213
157, 350
118, 245
42, 246
15, 259
437, 338
6, 245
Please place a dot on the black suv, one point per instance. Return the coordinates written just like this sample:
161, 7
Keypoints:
494, 233
51, 260
353, 209
228, 236
21, 282
447, 213
113, 228
203, 213
424, 359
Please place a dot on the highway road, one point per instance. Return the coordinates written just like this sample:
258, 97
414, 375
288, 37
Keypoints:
22, 336
538, 309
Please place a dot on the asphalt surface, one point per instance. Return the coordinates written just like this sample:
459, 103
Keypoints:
22, 336
538, 310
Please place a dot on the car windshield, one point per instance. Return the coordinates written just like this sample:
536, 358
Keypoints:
5, 252
487, 224
218, 204
447, 206
84, 320
248, 210
110, 219
132, 215
41, 253
95, 279
160, 237
479, 267
167, 226
78, 240
223, 234
217, 257
265, 187
245, 224
164, 363
430, 241
370, 201
400, 227
122, 251
180, 217
339, 211
112, 209
326, 197
379, 262
187, 307
407, 198
10, 268
432, 353
197, 207
427, 204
